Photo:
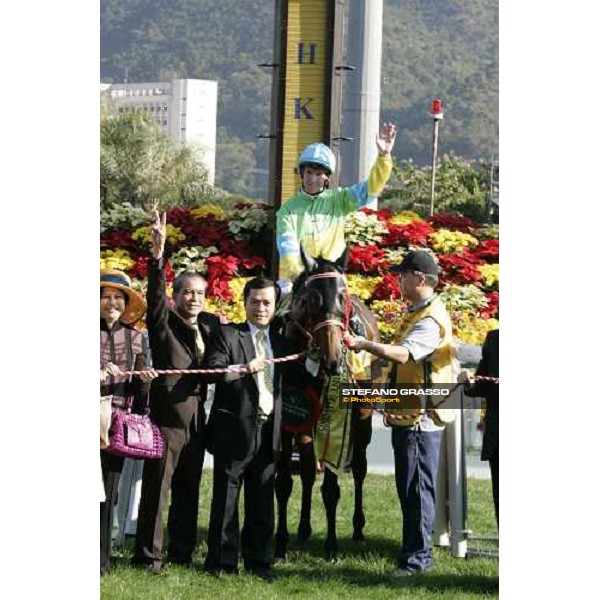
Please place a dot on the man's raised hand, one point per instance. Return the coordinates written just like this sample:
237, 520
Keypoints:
159, 234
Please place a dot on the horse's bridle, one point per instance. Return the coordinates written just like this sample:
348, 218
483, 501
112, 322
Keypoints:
347, 309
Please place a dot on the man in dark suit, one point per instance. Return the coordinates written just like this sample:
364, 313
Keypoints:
178, 338
490, 366
244, 433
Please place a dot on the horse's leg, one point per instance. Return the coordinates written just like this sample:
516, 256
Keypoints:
359, 472
283, 491
330, 491
308, 472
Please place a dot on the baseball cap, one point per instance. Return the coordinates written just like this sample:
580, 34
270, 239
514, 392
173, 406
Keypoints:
417, 260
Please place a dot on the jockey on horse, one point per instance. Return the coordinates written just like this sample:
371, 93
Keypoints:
313, 221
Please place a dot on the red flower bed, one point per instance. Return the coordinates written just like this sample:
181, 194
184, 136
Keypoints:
179, 217
140, 269
219, 288
488, 250
119, 239
205, 232
367, 260
411, 234
388, 288
445, 220
460, 269
491, 310
220, 270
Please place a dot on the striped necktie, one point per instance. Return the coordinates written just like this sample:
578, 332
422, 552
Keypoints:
199, 342
261, 352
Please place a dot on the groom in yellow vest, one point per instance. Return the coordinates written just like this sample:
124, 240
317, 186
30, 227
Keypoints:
421, 354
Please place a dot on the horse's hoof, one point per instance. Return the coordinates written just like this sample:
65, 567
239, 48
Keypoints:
331, 549
358, 536
304, 532
280, 552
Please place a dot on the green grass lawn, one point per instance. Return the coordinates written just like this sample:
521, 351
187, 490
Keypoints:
361, 571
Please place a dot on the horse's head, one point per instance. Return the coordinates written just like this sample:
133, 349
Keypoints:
321, 306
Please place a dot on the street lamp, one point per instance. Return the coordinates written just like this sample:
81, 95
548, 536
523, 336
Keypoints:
437, 115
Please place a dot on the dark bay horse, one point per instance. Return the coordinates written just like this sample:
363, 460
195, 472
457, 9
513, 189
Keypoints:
322, 312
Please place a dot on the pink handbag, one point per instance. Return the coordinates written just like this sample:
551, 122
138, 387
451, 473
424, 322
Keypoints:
134, 436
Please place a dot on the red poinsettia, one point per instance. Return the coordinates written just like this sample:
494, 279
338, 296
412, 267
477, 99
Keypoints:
219, 288
140, 269
221, 266
453, 222
367, 260
411, 234
204, 232
219, 272
239, 248
179, 216
252, 262
460, 269
488, 250
118, 239
387, 289
491, 310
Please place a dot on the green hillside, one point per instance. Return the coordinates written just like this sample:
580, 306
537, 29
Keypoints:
431, 48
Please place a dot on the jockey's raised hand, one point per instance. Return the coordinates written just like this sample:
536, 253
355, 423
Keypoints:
159, 235
385, 139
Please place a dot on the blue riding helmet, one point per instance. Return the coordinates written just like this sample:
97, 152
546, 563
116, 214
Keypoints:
318, 155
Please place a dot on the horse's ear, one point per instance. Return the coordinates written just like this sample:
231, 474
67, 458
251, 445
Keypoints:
342, 261
309, 263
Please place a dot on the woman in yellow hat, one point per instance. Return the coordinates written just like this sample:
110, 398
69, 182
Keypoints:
121, 349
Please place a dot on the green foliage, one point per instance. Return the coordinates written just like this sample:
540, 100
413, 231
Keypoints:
488, 232
459, 188
445, 48
140, 165
124, 215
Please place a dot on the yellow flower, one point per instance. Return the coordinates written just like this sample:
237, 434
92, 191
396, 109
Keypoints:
116, 259
362, 286
472, 329
237, 285
447, 241
490, 275
144, 234
209, 209
233, 311
387, 313
405, 217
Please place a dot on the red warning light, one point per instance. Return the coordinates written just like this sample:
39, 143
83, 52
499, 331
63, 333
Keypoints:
437, 109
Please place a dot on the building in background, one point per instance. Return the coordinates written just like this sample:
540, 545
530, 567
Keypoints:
186, 109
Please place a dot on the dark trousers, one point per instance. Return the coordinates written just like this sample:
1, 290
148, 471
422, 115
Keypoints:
179, 470
257, 471
111, 473
494, 468
416, 456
